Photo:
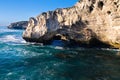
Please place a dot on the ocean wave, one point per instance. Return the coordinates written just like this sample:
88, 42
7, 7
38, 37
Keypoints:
11, 38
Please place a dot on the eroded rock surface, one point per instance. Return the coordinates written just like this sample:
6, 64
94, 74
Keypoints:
89, 22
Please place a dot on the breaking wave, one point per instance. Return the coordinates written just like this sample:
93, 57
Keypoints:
12, 38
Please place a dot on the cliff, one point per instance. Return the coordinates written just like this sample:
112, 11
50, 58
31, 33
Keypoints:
88, 22
18, 25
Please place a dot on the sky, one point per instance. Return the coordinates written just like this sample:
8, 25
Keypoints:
21, 10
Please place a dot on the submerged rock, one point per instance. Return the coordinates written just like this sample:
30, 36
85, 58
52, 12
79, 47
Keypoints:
64, 56
18, 25
88, 23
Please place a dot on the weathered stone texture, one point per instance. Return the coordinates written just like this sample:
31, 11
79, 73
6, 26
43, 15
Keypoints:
85, 21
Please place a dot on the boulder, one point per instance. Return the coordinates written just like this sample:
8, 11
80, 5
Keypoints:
18, 25
88, 23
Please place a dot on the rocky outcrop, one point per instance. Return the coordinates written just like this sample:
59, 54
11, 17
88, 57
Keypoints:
88, 22
18, 25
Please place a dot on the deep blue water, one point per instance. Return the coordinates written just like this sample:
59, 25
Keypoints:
24, 61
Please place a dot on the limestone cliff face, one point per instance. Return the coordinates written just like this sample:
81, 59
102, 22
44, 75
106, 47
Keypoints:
18, 25
86, 21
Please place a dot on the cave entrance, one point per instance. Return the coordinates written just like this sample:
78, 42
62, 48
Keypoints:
57, 41
57, 37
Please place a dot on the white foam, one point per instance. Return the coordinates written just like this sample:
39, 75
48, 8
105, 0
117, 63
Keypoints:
34, 43
59, 47
12, 38
10, 73
109, 49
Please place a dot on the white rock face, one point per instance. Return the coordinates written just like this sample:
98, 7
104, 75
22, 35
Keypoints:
85, 21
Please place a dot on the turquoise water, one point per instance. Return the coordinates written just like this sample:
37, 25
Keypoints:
24, 61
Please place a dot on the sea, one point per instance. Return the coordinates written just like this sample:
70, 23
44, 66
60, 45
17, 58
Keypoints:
21, 60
